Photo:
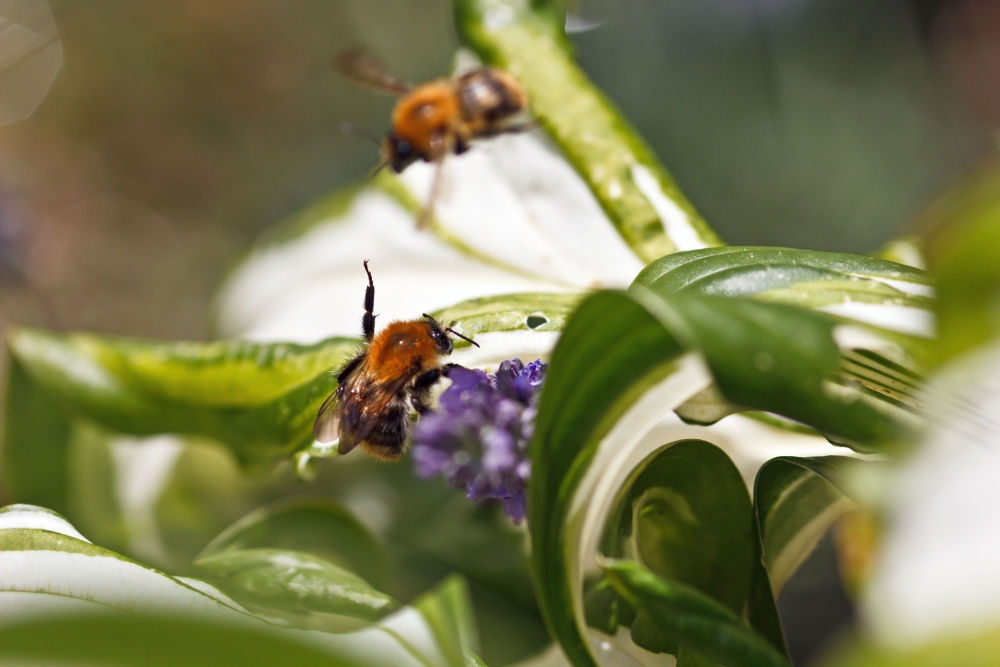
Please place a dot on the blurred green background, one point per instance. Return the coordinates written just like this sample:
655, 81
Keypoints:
176, 131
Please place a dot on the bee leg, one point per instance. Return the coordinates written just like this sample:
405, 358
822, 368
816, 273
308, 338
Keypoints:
421, 389
428, 213
426, 380
448, 368
368, 321
526, 126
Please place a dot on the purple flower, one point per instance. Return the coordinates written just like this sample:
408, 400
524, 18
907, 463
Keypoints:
478, 439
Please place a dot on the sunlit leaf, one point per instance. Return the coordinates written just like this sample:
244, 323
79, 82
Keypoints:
255, 398
633, 188
258, 399
962, 249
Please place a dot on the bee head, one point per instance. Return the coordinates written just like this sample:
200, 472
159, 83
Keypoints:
398, 152
440, 336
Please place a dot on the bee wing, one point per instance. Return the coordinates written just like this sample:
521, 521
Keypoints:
326, 428
365, 401
361, 67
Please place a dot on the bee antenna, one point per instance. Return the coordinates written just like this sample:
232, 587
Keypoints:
450, 330
362, 132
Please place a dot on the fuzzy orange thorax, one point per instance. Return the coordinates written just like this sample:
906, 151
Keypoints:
399, 347
430, 111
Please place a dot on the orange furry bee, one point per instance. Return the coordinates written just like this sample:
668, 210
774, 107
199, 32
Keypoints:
442, 117
377, 388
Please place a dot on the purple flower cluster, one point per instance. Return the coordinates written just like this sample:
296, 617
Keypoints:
479, 438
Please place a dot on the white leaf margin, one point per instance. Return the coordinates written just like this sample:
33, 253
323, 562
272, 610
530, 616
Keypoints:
646, 426
513, 216
73, 576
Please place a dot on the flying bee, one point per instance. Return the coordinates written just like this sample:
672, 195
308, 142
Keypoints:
441, 117
393, 373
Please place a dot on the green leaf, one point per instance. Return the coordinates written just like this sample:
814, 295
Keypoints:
58, 572
260, 400
36, 442
963, 249
480, 542
975, 649
796, 501
156, 641
683, 513
294, 581
866, 292
784, 360
610, 353
95, 506
633, 188
448, 612
710, 628
46, 568
623, 362
317, 526
510, 312
863, 289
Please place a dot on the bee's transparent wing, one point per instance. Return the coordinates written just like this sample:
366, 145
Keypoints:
326, 428
361, 67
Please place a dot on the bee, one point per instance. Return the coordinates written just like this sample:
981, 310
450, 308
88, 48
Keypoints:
441, 117
392, 373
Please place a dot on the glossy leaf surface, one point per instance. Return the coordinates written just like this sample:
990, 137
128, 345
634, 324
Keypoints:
294, 581
863, 289
626, 359
679, 611
796, 501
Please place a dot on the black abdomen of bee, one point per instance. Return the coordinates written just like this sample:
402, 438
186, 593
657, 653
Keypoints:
388, 437
487, 96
